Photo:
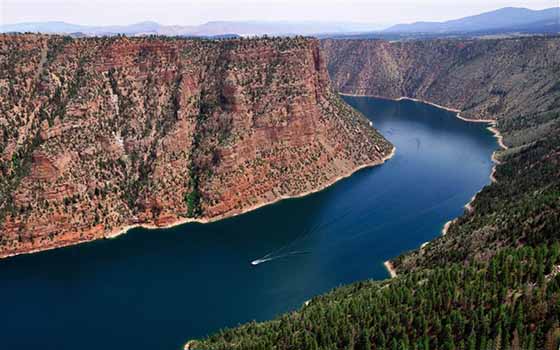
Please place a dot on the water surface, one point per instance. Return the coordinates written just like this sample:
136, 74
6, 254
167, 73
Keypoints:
155, 289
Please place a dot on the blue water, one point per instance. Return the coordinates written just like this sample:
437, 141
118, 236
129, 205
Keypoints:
155, 289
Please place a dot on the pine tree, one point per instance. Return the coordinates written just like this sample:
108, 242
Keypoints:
471, 341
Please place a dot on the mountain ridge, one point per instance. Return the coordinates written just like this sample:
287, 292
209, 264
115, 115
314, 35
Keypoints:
243, 28
507, 18
500, 21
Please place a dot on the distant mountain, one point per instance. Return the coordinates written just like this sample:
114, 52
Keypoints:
209, 29
42, 27
249, 28
505, 19
68, 28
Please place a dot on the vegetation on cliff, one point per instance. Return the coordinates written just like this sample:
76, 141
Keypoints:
97, 134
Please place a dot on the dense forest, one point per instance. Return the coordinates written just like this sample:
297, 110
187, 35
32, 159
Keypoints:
510, 302
492, 282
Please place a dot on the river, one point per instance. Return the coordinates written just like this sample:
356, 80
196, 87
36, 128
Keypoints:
155, 289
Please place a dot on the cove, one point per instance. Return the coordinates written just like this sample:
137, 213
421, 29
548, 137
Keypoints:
155, 289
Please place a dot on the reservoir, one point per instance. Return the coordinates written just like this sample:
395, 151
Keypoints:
156, 289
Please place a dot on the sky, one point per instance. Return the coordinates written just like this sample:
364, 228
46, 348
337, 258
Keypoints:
185, 12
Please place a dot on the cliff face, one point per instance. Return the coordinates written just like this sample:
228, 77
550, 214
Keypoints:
97, 134
485, 79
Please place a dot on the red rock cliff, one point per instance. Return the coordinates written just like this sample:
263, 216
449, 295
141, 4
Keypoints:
101, 133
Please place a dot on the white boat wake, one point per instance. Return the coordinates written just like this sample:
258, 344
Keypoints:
317, 228
267, 259
260, 261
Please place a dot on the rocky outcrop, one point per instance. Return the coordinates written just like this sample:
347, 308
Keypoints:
100, 134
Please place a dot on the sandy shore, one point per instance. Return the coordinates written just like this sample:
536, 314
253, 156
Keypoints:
497, 162
390, 268
446, 227
38, 250
498, 135
469, 206
150, 226
495, 159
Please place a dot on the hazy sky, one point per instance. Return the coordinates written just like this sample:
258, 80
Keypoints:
103, 12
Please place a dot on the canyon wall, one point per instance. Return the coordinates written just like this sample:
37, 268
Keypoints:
99, 134
485, 79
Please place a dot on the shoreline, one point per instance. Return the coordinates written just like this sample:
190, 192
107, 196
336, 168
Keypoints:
446, 226
390, 268
496, 161
388, 264
151, 226
492, 128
